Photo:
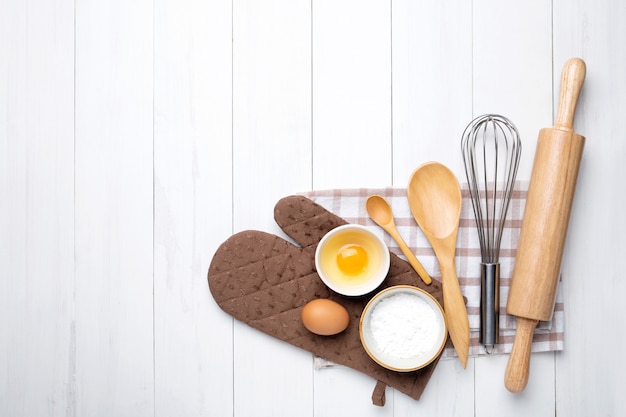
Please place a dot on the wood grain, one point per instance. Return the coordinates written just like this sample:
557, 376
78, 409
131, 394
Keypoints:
351, 139
134, 136
544, 227
351, 96
597, 211
192, 154
271, 146
113, 229
37, 264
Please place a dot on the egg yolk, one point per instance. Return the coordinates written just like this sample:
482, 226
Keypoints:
351, 259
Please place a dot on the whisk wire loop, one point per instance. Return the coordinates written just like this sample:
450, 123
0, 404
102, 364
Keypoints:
491, 150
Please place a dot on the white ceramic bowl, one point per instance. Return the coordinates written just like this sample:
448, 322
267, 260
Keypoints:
398, 340
369, 278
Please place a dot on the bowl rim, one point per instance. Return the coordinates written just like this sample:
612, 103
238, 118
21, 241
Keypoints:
372, 284
395, 289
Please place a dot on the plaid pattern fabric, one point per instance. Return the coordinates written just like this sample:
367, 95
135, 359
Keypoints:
350, 205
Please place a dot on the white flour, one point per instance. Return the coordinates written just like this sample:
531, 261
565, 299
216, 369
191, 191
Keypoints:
404, 326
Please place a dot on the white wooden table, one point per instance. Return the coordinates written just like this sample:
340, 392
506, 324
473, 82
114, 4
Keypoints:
136, 136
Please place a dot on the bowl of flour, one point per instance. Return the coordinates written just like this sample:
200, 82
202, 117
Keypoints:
403, 328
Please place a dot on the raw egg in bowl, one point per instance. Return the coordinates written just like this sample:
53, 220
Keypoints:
352, 260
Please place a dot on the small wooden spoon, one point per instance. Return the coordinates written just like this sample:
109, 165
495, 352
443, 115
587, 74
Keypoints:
380, 211
434, 197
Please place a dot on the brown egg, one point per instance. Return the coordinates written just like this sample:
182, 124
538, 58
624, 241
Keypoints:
325, 317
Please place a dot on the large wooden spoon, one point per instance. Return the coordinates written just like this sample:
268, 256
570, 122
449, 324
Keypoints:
380, 211
434, 197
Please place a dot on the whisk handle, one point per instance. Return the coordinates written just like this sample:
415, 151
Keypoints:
489, 305
572, 78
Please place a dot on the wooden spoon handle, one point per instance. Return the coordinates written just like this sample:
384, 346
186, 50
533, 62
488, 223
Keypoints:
455, 311
517, 369
410, 257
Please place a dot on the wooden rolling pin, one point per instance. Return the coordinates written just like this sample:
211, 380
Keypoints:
544, 225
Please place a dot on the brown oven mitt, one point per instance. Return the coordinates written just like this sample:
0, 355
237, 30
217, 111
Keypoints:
264, 281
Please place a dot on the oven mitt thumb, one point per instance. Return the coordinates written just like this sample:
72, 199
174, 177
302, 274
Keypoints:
264, 281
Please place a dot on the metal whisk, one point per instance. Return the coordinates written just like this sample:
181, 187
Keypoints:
491, 151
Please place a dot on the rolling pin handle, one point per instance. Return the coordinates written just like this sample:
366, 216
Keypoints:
517, 369
572, 78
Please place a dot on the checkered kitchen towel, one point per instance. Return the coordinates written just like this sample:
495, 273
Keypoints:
350, 205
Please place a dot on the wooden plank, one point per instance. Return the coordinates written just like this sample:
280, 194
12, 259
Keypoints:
114, 210
193, 340
341, 391
351, 94
432, 84
512, 76
271, 159
536, 400
512, 57
432, 101
271, 107
589, 376
351, 143
450, 392
36, 209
